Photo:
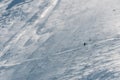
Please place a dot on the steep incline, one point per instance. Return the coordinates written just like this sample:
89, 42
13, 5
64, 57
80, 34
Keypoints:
59, 40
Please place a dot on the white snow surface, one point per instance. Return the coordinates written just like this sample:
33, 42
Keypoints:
59, 39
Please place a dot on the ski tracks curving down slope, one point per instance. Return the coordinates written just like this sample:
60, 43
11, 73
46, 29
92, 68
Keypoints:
59, 40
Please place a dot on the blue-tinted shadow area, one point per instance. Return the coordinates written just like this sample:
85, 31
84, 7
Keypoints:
13, 3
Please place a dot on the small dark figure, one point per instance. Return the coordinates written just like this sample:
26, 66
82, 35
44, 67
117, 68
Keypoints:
84, 44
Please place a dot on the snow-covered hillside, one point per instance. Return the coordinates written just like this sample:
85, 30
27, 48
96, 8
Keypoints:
59, 40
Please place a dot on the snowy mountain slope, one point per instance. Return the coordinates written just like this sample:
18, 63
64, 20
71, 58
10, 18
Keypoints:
59, 40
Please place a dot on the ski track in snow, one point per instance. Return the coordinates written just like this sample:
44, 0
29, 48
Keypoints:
59, 40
